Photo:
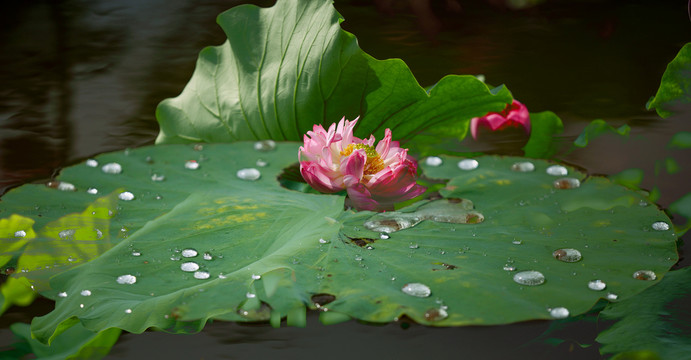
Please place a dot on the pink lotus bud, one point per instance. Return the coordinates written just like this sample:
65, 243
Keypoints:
374, 177
513, 115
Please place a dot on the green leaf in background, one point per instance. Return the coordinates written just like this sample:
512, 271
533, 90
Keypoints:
288, 67
681, 140
631, 178
597, 128
75, 343
682, 206
675, 87
543, 142
652, 325
211, 239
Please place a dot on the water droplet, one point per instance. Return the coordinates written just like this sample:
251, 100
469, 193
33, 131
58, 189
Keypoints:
20, 233
387, 223
81, 306
517, 242
524, 166
85, 293
250, 174
369, 247
65, 186
221, 276
612, 296
189, 266
358, 258
262, 163
567, 255
264, 145
112, 168
99, 233
62, 294
436, 314
126, 279
256, 277
71, 259
191, 165
128, 311
567, 183
597, 285
67, 234
644, 275
417, 289
643, 203
509, 267
660, 226
136, 253
188, 253
126, 196
92, 191
433, 161
530, 278
559, 312
91, 163
468, 164
157, 177
384, 236
208, 256
413, 246
175, 257
201, 275
322, 241
249, 295
557, 170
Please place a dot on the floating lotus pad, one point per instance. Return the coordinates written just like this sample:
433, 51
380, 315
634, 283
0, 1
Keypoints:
204, 244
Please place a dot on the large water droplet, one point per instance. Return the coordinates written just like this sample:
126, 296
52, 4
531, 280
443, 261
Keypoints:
567, 255
157, 177
567, 183
20, 233
91, 163
530, 278
201, 275
264, 145
645, 275
468, 164
188, 253
126, 196
191, 165
597, 285
417, 289
557, 170
524, 166
85, 293
111, 168
660, 226
433, 161
126, 279
559, 313
388, 223
92, 191
250, 174
457, 211
67, 234
189, 266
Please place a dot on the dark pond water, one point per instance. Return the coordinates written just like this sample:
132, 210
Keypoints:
83, 77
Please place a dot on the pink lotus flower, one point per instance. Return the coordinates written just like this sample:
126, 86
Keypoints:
374, 177
513, 115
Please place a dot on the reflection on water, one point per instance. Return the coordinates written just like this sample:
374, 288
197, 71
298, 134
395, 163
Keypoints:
83, 77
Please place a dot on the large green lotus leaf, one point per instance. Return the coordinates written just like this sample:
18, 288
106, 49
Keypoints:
675, 86
288, 67
269, 252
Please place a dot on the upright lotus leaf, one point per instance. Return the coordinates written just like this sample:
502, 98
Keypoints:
288, 67
653, 325
675, 87
543, 142
76, 343
220, 239
596, 128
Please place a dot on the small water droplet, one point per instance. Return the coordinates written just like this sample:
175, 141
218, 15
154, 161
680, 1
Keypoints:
126, 279
509, 267
524, 166
358, 258
157, 177
92, 191
71, 259
567, 255
612, 296
322, 241
208, 256
417, 289
559, 312
136, 253
62, 294
597, 285
433, 161
191, 165
128, 311
65, 186
188, 253
660, 226
436, 314
175, 257
468, 164
201, 275
67, 234
126, 196
369, 247
91, 163
261, 163
530, 278
566, 183
517, 242
111, 168
221, 276
85, 293
643, 203
384, 236
189, 266
557, 170
413, 246
264, 145
20, 233
645, 275
81, 306
256, 277
250, 174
